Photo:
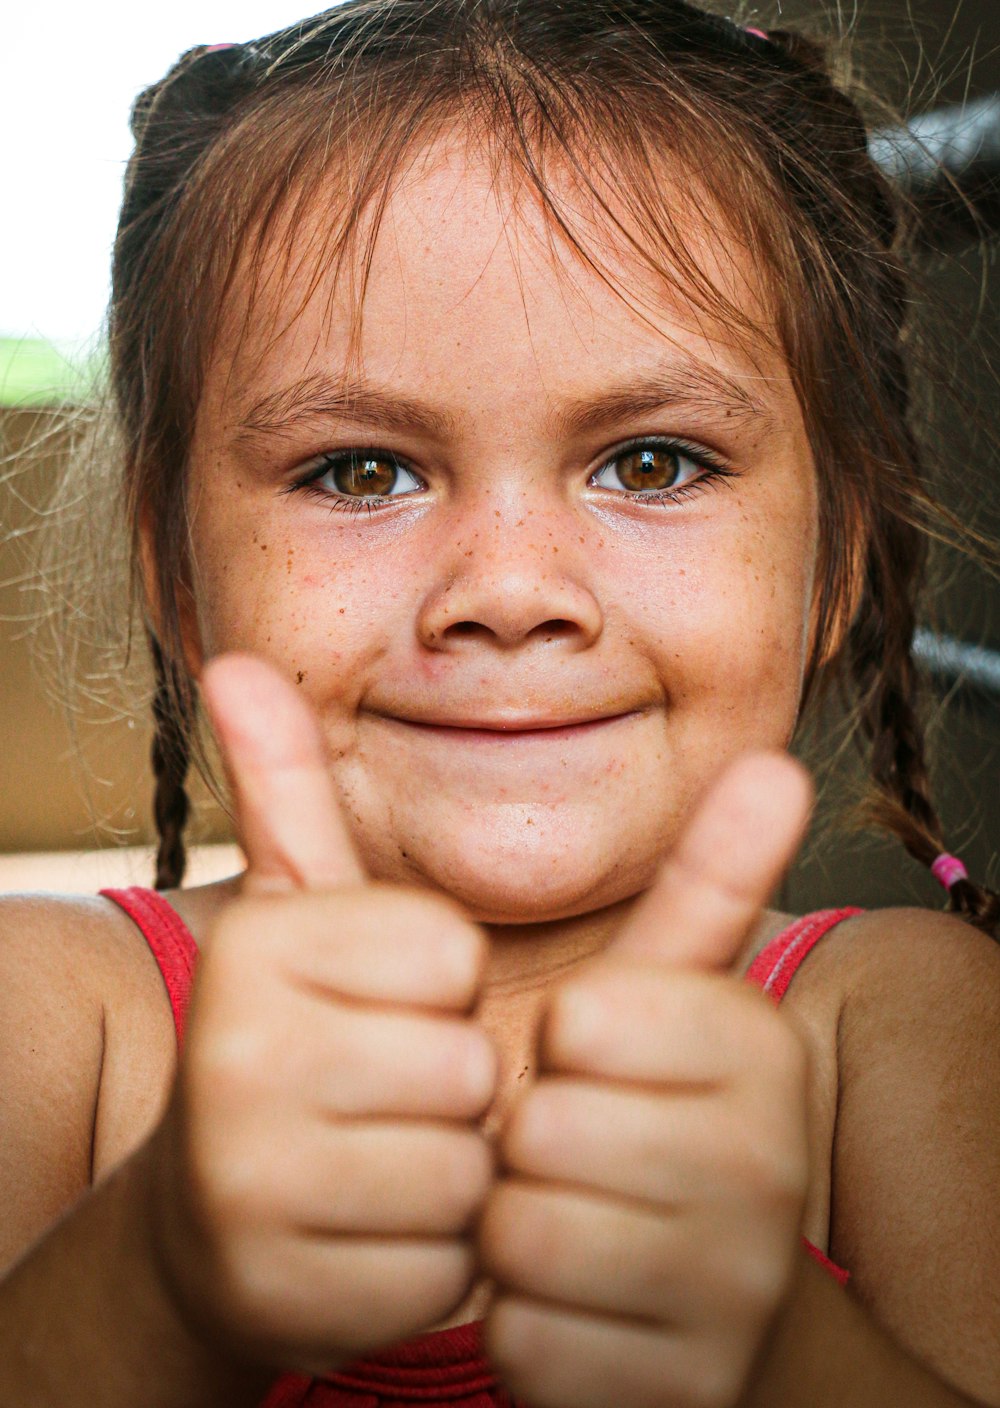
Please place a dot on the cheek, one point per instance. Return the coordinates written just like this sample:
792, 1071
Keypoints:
726, 615
316, 614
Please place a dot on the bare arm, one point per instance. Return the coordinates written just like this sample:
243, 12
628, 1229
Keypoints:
916, 1217
84, 1318
83, 1314
826, 1350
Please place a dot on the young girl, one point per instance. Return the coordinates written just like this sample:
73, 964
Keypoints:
513, 430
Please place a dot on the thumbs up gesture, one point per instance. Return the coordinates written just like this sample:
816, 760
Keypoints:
645, 1225
319, 1166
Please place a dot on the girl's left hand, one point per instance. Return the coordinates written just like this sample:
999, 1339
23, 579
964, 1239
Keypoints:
645, 1227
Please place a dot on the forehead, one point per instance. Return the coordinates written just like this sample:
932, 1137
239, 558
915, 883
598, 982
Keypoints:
465, 267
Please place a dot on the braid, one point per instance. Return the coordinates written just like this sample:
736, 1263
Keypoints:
890, 689
890, 718
171, 756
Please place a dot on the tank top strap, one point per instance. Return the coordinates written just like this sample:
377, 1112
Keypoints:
170, 940
778, 962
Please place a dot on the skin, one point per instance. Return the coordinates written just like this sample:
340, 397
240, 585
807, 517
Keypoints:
594, 1109
509, 584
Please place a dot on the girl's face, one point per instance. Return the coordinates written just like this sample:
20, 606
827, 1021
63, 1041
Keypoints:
527, 660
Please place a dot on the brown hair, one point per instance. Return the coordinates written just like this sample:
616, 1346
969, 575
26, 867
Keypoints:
231, 142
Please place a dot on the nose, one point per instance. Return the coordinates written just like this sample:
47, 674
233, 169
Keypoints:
526, 585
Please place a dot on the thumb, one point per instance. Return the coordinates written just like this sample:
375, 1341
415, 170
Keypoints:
710, 890
287, 816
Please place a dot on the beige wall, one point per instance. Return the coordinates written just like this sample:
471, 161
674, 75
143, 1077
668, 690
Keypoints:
50, 798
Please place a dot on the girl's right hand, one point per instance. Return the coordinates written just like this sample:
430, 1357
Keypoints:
319, 1166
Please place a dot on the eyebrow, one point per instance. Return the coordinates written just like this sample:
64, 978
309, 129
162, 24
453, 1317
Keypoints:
689, 385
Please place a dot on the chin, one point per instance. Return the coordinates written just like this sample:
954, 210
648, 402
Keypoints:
498, 881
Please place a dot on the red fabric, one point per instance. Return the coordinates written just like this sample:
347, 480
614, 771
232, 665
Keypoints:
777, 963
837, 1272
171, 941
445, 1366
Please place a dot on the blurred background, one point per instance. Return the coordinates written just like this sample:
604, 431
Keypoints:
74, 789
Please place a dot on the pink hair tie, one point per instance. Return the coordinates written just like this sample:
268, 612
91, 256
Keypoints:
214, 48
948, 869
758, 32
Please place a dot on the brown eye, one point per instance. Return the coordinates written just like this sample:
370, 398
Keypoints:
660, 471
365, 475
647, 468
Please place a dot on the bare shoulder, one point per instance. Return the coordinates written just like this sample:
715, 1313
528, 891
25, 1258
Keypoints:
911, 964
917, 1147
76, 959
880, 958
76, 979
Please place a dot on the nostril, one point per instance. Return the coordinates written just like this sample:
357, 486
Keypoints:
555, 630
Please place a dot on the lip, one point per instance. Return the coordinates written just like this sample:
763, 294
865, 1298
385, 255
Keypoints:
521, 726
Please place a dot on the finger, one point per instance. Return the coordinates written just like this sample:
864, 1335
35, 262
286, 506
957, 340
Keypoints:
644, 1022
554, 1354
371, 1177
338, 1298
731, 855
449, 1070
633, 1143
380, 943
574, 1248
287, 815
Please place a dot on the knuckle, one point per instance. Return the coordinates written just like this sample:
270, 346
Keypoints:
774, 1173
577, 1015
515, 1340
511, 1243
444, 933
712, 1379
466, 1175
540, 1124
777, 1043
240, 923
757, 1284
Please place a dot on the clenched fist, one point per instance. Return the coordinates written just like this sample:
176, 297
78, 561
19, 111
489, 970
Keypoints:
646, 1224
319, 1167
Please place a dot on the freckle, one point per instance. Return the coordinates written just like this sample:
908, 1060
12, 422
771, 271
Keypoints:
263, 547
341, 611
299, 676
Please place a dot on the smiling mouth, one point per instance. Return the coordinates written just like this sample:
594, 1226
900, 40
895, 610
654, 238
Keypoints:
493, 731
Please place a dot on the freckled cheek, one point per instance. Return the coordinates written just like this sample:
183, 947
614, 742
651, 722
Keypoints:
719, 621
262, 592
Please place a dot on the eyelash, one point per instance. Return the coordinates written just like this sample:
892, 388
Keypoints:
716, 471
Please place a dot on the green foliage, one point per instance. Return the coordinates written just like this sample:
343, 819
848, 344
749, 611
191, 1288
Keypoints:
34, 372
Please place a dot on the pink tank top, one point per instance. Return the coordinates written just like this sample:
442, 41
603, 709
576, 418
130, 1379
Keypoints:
444, 1367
